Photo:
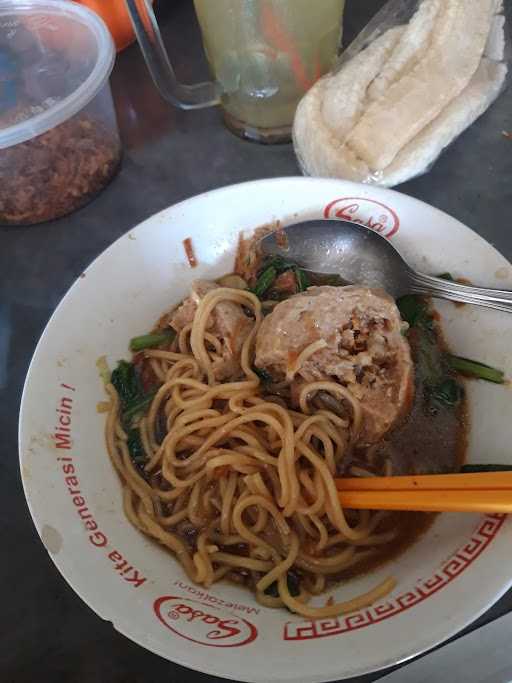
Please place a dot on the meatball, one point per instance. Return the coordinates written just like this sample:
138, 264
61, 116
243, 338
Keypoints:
228, 323
359, 343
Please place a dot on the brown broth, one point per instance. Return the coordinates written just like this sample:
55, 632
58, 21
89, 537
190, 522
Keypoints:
425, 443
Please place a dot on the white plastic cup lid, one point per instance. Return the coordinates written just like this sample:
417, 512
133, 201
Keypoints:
55, 56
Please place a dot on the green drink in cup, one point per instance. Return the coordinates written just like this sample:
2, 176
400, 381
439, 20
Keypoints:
263, 56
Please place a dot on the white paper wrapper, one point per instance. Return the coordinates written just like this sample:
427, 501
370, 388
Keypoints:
418, 75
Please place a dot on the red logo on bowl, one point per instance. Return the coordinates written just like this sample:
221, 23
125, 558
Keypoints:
367, 212
202, 623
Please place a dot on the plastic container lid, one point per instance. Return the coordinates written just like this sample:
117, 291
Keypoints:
55, 56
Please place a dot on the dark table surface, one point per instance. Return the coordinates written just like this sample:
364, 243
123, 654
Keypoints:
47, 633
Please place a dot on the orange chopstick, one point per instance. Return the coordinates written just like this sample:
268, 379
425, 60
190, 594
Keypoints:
473, 492
468, 500
429, 482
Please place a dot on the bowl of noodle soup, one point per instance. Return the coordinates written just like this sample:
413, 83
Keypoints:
188, 497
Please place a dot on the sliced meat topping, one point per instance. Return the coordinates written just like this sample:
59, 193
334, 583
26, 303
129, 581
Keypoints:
350, 334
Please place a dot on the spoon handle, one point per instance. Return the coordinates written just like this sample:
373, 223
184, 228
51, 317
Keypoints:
497, 299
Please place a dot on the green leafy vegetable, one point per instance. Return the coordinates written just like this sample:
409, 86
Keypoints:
264, 376
131, 394
447, 393
135, 447
436, 366
429, 358
447, 276
281, 264
273, 267
472, 368
125, 381
331, 280
440, 386
475, 469
302, 280
264, 281
292, 582
147, 341
414, 310
272, 590
138, 405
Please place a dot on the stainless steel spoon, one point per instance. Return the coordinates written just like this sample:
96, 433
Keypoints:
362, 256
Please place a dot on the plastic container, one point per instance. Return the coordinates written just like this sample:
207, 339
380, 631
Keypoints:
59, 140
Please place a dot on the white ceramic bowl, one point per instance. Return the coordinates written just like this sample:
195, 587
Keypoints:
452, 574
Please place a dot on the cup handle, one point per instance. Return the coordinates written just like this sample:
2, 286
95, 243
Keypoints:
197, 96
